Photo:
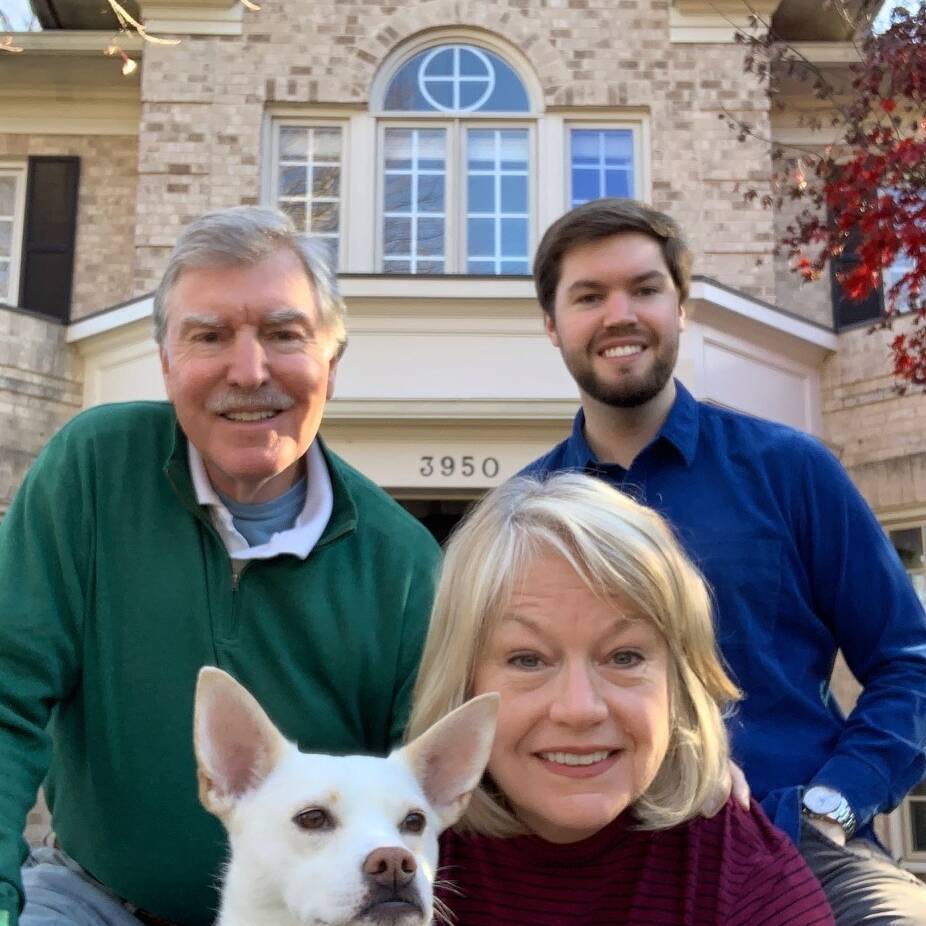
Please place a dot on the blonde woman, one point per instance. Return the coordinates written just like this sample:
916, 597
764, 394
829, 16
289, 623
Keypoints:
578, 606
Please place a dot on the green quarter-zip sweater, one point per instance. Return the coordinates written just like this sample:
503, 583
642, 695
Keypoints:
115, 589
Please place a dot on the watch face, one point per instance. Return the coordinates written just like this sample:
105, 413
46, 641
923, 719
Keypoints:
821, 800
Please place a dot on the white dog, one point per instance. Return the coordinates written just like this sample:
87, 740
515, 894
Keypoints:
322, 840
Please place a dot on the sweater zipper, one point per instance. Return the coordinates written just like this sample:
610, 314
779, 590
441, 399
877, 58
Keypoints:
237, 567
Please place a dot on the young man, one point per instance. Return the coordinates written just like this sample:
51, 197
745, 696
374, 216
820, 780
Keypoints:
150, 539
798, 564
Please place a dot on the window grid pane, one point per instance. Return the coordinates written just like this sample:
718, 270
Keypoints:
8, 197
497, 211
414, 198
601, 164
309, 181
910, 544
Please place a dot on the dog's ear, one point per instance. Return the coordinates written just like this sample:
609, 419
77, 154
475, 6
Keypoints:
448, 759
236, 743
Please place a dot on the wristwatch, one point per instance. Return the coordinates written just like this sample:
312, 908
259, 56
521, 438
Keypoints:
823, 803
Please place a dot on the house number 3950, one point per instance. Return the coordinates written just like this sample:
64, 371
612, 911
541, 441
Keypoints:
465, 466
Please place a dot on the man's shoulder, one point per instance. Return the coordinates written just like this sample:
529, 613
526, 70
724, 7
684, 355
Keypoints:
553, 461
379, 513
138, 424
760, 437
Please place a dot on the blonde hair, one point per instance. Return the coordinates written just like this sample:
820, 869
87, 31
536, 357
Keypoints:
621, 550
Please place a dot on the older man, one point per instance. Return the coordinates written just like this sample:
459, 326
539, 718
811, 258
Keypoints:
150, 539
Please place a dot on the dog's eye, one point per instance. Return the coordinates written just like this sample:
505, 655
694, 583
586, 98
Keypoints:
414, 822
313, 819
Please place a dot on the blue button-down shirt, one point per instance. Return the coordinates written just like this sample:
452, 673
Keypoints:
799, 567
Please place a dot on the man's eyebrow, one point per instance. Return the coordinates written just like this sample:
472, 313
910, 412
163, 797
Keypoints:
197, 320
286, 316
645, 277
648, 276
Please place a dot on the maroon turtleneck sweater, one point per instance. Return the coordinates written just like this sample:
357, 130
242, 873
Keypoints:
735, 869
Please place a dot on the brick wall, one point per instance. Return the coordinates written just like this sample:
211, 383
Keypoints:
39, 391
880, 434
204, 103
810, 300
106, 212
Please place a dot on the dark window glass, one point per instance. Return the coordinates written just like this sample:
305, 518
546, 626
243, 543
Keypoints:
48, 246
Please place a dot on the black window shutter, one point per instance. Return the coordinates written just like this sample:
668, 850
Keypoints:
848, 311
48, 242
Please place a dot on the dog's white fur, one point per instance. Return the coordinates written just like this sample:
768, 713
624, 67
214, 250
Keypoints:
282, 873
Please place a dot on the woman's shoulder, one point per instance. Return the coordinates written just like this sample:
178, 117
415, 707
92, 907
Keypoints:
747, 837
760, 868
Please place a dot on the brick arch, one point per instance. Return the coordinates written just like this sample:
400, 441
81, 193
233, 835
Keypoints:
509, 26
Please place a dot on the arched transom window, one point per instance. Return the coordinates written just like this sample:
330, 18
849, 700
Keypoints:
456, 79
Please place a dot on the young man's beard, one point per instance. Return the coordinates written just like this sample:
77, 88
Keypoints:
629, 391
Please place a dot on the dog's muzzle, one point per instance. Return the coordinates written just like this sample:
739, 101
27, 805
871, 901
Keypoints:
391, 894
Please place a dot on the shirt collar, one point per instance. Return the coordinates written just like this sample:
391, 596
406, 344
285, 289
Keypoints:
680, 430
300, 539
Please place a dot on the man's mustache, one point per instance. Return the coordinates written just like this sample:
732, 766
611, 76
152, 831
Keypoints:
239, 400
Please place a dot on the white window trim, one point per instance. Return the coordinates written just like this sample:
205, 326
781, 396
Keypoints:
635, 127
512, 56
899, 821
455, 206
308, 121
18, 170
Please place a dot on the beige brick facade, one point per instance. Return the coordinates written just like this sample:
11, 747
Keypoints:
105, 211
39, 391
204, 103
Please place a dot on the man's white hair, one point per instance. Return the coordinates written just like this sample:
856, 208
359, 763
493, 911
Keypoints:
249, 235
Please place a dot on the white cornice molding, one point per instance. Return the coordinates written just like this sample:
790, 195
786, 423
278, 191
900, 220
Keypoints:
725, 7
714, 21
200, 17
757, 321
430, 304
41, 114
827, 52
110, 319
450, 409
77, 42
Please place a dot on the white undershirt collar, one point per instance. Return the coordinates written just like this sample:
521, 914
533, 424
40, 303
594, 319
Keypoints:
300, 539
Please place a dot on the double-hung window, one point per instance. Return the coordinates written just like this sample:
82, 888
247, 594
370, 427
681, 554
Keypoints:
307, 178
904, 262
601, 163
12, 210
457, 156
910, 543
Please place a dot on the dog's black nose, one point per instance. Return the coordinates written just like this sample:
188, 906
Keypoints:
391, 867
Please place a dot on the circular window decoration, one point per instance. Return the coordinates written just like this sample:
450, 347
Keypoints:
456, 79
467, 86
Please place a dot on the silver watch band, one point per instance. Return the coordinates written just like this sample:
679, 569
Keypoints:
823, 803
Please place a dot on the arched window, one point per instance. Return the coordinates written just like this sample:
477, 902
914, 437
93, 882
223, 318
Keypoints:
456, 79
455, 169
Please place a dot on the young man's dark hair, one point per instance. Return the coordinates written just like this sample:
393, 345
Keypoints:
602, 218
